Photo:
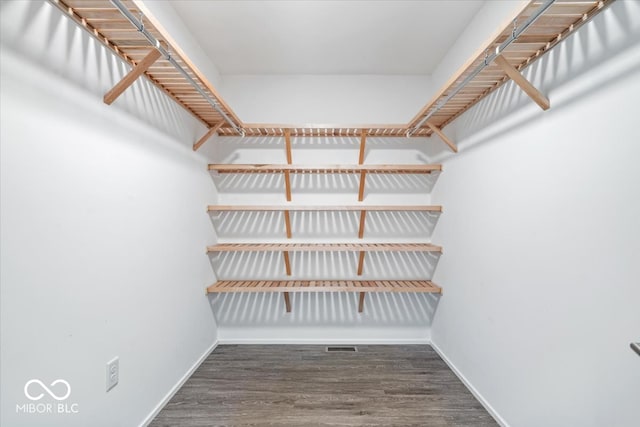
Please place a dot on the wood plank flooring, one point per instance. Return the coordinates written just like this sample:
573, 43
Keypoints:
302, 385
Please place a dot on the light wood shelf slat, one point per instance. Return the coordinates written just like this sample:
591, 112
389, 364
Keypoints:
277, 208
229, 286
277, 168
324, 247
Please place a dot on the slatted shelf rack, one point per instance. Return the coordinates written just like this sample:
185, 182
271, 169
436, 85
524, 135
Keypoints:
359, 286
324, 286
403, 169
323, 208
360, 168
363, 209
324, 247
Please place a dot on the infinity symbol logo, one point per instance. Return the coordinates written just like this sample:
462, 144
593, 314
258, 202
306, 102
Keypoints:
52, 394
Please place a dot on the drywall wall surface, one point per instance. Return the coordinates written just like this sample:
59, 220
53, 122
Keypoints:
103, 229
492, 17
326, 99
323, 317
166, 16
541, 237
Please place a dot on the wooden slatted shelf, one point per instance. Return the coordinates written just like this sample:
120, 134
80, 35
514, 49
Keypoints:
246, 168
106, 24
324, 247
324, 286
103, 21
270, 208
362, 287
325, 131
561, 19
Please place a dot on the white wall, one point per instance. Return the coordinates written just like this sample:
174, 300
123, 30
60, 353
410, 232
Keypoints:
165, 15
334, 99
103, 229
358, 99
322, 99
325, 317
300, 99
541, 237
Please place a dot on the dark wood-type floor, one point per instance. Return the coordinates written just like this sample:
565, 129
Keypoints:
303, 385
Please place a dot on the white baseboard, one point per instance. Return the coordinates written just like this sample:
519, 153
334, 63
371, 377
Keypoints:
319, 341
471, 388
177, 386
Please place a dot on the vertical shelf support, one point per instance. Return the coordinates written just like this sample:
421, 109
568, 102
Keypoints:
287, 224
363, 142
287, 178
287, 263
287, 302
287, 217
287, 145
287, 186
361, 263
363, 213
361, 302
363, 176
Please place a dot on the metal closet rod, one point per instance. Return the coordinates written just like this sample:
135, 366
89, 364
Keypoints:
165, 53
487, 60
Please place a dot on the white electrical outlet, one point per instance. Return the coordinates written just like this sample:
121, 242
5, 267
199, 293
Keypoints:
113, 373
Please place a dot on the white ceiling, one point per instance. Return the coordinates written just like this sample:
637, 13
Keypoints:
326, 37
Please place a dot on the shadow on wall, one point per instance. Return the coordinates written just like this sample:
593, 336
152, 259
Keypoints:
324, 265
325, 226
612, 32
333, 183
305, 151
324, 309
226, 150
87, 64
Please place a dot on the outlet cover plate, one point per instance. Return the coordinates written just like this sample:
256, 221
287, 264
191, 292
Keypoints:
113, 373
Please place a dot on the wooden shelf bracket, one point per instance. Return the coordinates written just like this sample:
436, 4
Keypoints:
131, 76
287, 223
363, 174
443, 137
363, 213
287, 302
287, 262
287, 218
363, 142
361, 262
361, 302
207, 135
287, 178
524, 84
287, 145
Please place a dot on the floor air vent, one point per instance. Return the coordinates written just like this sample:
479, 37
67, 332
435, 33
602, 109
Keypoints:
342, 349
